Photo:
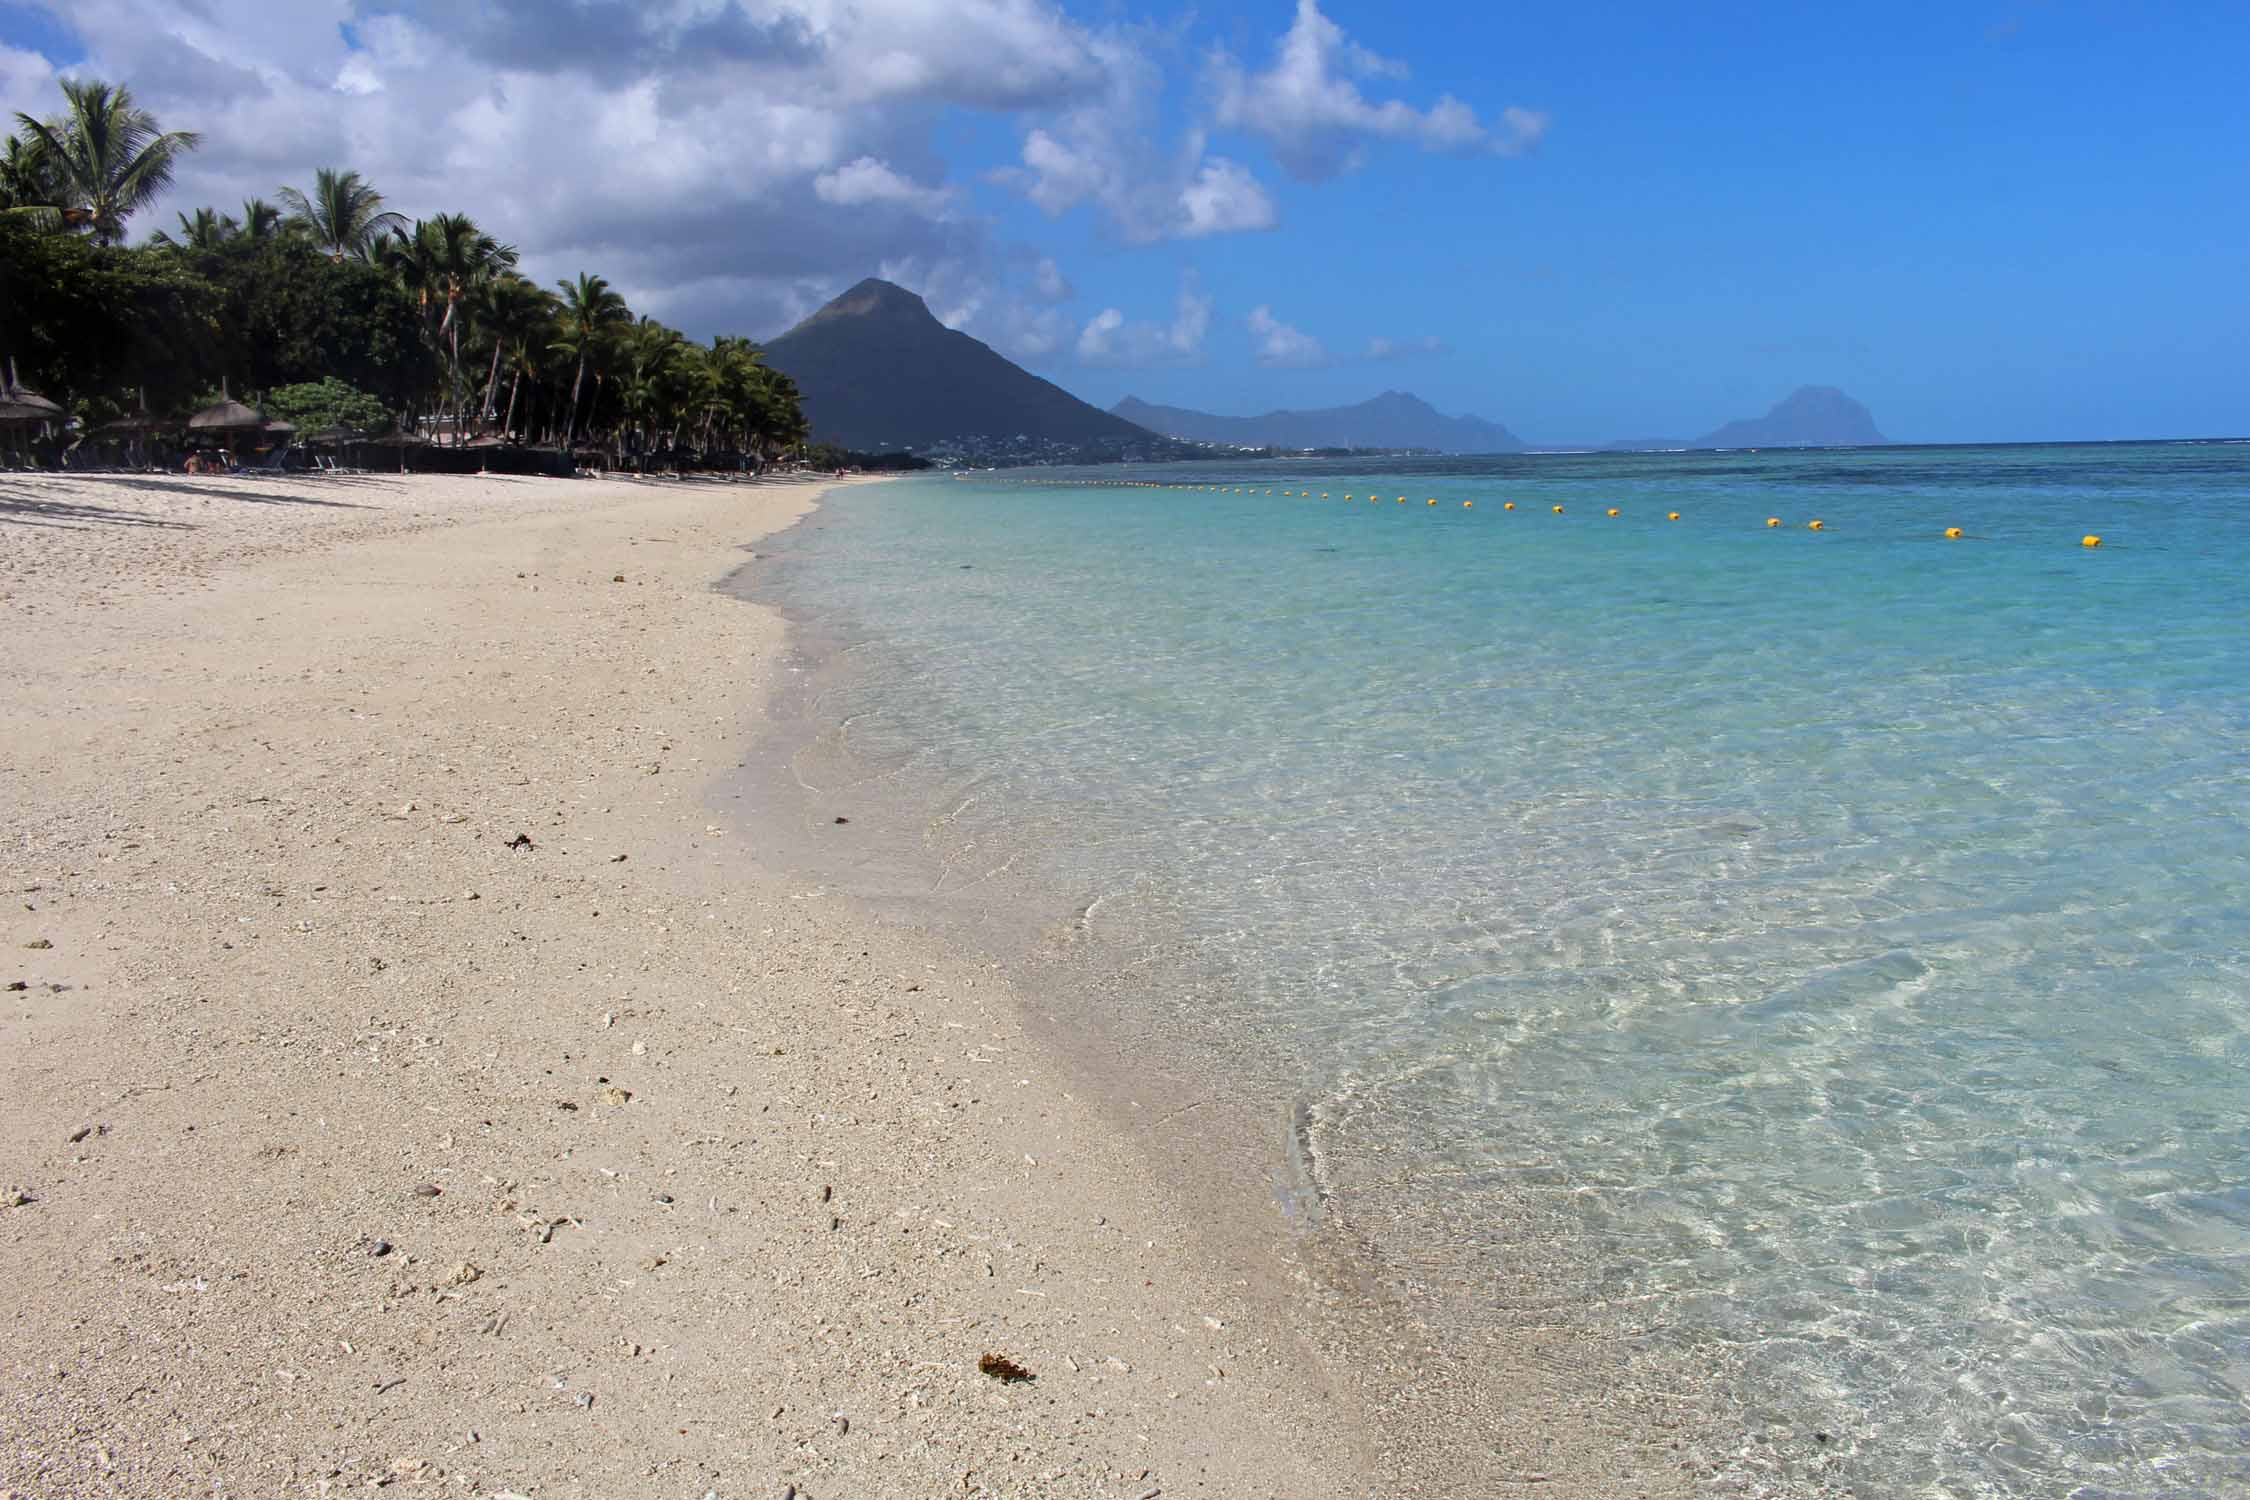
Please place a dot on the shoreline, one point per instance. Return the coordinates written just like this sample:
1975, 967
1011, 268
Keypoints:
360, 1143
1219, 1115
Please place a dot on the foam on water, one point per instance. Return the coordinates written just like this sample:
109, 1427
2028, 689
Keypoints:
1845, 936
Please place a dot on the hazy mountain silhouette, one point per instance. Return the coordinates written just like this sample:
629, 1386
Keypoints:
1391, 420
1812, 416
879, 372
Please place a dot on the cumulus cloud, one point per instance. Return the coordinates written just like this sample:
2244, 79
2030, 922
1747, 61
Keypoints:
1223, 198
1110, 338
713, 160
726, 163
1279, 346
1143, 195
1103, 150
27, 83
867, 180
1309, 109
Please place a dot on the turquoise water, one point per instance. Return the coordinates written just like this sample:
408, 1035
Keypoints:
1844, 937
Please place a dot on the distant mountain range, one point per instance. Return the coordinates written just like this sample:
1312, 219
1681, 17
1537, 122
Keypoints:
1391, 420
879, 372
1817, 416
1812, 416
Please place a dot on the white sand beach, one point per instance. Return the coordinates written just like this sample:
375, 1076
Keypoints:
687, 1185
407, 1080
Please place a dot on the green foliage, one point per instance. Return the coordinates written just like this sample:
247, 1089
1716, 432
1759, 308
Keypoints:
104, 157
343, 214
341, 310
288, 314
327, 403
831, 456
95, 326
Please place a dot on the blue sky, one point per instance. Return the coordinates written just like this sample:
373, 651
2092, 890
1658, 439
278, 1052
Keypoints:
2014, 221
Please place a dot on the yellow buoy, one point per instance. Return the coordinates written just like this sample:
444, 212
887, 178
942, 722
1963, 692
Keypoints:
1324, 495
1509, 505
1402, 499
1953, 533
1468, 505
1558, 510
1671, 515
1772, 521
1613, 510
1816, 526
1433, 502
2092, 541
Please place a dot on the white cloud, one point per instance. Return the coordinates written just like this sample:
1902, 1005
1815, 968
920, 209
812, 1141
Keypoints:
869, 181
1144, 197
1224, 199
1102, 150
1109, 338
720, 161
1311, 112
712, 159
1282, 347
27, 85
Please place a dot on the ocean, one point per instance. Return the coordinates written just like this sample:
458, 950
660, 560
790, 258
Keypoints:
1835, 941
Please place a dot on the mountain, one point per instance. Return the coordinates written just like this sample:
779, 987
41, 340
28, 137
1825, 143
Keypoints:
1391, 420
1814, 416
877, 372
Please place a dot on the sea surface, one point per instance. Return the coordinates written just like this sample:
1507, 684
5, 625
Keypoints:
1839, 939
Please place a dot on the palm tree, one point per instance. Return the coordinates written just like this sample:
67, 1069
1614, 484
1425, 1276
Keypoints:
733, 364
522, 361
344, 215
27, 189
777, 418
104, 157
260, 219
591, 315
507, 309
207, 230
647, 388
440, 262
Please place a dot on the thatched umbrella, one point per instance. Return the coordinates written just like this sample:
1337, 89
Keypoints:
401, 440
18, 404
226, 416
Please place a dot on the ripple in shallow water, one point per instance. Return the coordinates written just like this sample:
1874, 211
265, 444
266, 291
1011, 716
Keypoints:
1824, 952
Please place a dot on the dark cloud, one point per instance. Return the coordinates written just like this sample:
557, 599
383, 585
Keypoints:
605, 39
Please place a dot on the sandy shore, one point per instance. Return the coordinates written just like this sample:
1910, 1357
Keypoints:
407, 1081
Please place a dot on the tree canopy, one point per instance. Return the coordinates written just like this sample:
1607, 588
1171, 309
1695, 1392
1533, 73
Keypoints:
335, 310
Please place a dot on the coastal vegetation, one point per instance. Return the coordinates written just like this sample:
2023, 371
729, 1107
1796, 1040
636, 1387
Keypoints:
334, 310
